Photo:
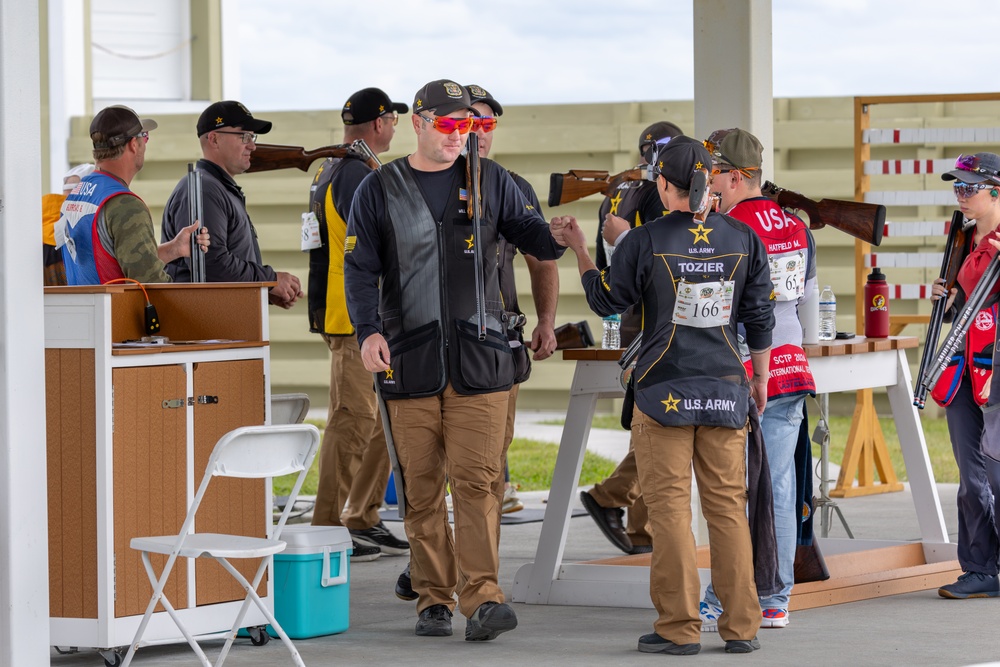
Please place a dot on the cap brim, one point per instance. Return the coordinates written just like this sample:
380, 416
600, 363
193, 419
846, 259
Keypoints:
148, 124
964, 176
399, 107
452, 107
257, 126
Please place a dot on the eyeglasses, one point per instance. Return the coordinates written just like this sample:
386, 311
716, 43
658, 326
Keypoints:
447, 125
390, 116
142, 135
717, 171
966, 190
484, 123
245, 137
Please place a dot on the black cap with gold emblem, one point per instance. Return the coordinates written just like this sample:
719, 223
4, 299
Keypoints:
230, 113
655, 134
480, 94
443, 97
677, 160
368, 104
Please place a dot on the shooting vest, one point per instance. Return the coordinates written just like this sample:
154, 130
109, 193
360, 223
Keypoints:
427, 298
87, 261
977, 358
327, 303
787, 243
688, 375
508, 293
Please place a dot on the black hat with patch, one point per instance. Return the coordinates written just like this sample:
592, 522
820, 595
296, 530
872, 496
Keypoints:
115, 125
657, 133
368, 104
480, 94
443, 96
678, 159
230, 113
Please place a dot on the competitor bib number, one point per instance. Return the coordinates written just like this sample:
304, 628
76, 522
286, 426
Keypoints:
704, 305
788, 275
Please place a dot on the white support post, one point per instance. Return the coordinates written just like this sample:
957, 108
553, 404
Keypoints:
24, 576
732, 70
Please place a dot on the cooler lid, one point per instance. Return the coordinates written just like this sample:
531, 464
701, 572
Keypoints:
303, 538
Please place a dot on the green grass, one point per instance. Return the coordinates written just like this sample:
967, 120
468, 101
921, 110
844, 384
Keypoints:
531, 465
935, 434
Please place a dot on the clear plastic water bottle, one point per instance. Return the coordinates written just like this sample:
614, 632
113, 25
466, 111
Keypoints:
827, 314
612, 339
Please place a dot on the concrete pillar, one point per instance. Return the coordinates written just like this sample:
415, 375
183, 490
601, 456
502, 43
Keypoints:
24, 575
732, 70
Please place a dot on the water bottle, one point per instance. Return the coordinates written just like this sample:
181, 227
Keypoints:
612, 339
876, 311
827, 314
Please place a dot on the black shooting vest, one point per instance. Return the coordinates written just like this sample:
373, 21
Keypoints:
686, 375
427, 299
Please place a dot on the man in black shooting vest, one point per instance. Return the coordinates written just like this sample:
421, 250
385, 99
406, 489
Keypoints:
695, 281
414, 296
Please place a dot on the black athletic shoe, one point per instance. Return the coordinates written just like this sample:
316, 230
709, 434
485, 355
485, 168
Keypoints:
489, 621
435, 621
362, 553
404, 587
379, 536
742, 645
641, 549
609, 520
654, 643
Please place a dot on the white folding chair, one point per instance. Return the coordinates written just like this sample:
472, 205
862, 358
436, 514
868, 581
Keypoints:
289, 408
249, 452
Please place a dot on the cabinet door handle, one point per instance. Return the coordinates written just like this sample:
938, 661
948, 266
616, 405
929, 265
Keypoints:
174, 403
205, 400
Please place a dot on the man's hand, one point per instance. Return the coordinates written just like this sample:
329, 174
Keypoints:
375, 354
543, 342
567, 233
613, 228
180, 245
758, 389
286, 292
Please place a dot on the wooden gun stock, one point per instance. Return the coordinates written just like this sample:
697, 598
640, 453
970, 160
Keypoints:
858, 219
580, 183
269, 157
573, 335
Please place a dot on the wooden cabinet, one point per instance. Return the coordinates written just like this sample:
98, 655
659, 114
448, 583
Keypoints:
129, 433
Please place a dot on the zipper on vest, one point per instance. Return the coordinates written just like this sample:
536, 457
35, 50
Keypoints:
444, 295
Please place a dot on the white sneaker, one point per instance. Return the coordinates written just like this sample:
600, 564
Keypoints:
709, 614
774, 618
511, 503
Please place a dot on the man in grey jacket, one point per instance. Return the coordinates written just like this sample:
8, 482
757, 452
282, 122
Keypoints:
228, 134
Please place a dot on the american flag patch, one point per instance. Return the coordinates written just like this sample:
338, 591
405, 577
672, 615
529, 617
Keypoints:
349, 243
463, 194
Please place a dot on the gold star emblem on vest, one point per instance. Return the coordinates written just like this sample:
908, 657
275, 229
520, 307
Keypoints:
470, 242
701, 233
671, 404
388, 374
617, 199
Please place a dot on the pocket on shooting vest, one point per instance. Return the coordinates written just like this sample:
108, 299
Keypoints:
416, 367
483, 364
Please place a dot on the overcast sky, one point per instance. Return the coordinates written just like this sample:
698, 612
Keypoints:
566, 51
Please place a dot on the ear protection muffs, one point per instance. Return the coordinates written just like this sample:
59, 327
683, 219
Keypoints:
994, 193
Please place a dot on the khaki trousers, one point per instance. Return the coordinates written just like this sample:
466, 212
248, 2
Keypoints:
621, 489
353, 461
460, 437
664, 457
508, 437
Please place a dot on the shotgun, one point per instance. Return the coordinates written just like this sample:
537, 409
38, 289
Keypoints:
858, 219
268, 157
196, 213
473, 174
580, 183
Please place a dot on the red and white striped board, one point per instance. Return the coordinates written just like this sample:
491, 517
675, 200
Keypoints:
932, 135
904, 260
909, 291
876, 167
917, 228
911, 197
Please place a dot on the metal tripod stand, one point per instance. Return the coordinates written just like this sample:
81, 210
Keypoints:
824, 504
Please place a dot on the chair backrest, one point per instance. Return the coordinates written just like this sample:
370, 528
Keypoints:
289, 408
264, 451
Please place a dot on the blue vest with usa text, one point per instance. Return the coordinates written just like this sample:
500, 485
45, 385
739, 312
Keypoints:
81, 248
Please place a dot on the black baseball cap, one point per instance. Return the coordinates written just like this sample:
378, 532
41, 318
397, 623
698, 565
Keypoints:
443, 97
656, 133
368, 104
115, 125
480, 94
678, 159
230, 113
975, 168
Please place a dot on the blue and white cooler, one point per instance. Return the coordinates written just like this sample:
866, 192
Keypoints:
312, 581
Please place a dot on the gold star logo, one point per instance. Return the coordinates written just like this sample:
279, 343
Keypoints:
218, 120
649, 135
420, 103
661, 165
617, 199
671, 404
698, 165
381, 108
347, 106
700, 233
388, 374
470, 242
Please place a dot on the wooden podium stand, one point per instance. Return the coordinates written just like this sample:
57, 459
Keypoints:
129, 432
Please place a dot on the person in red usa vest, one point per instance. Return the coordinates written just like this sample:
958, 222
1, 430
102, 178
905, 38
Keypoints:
737, 157
696, 280
962, 388
104, 230
410, 277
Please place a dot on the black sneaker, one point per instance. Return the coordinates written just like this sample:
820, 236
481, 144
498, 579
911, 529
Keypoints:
654, 643
362, 553
404, 588
742, 645
609, 520
379, 536
435, 621
489, 621
972, 585
641, 549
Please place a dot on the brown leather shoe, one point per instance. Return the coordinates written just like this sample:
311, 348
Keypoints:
609, 520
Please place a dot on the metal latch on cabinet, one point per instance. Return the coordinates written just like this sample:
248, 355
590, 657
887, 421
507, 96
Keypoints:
191, 400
